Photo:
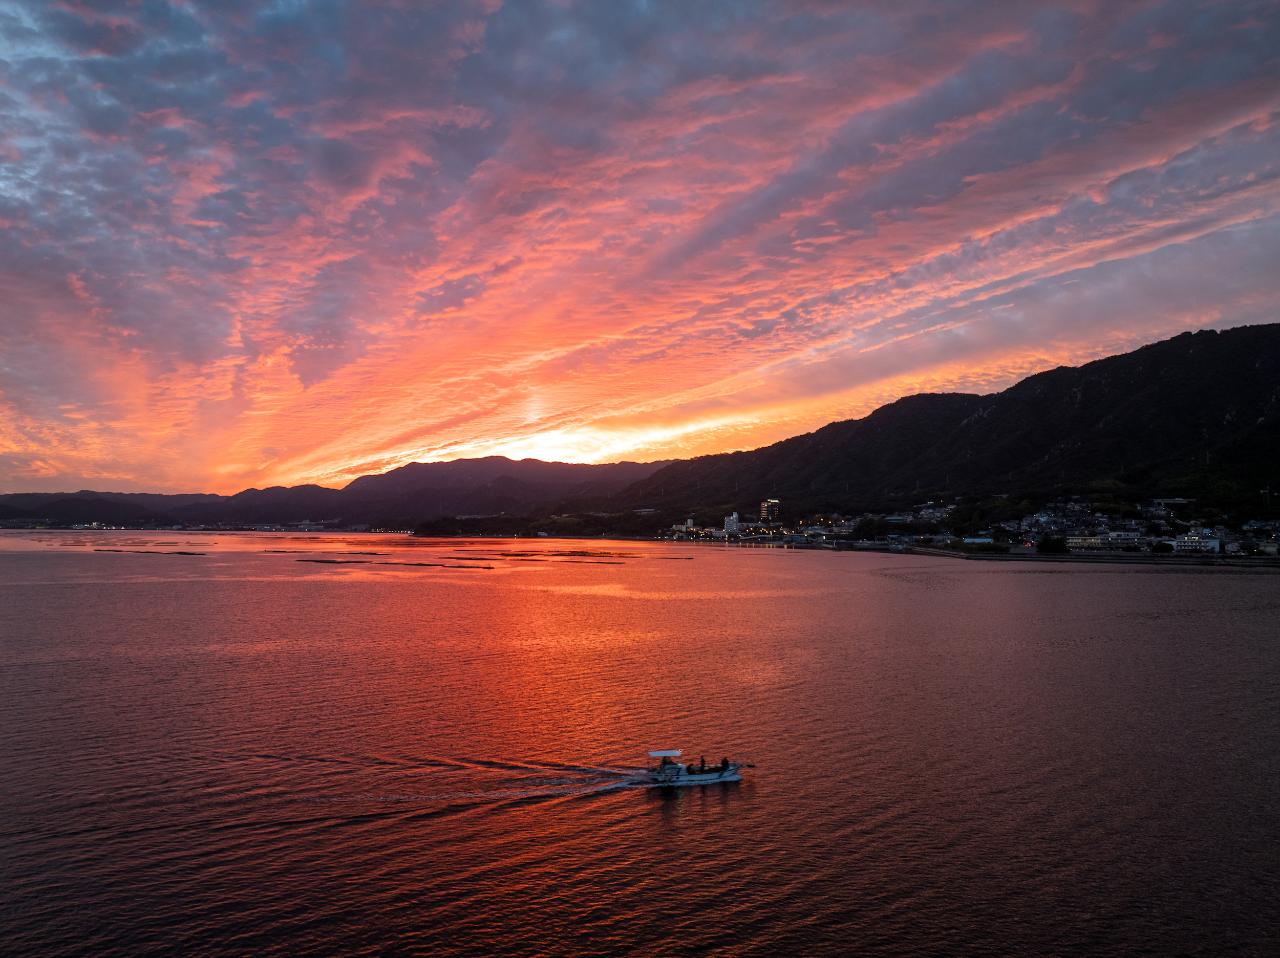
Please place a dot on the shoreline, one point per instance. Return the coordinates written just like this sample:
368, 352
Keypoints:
1194, 562
1206, 561
1270, 563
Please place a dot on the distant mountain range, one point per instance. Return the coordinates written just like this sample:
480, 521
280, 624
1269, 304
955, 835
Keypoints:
413, 493
1196, 415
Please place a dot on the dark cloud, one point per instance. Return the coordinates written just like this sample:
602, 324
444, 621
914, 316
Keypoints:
91, 35
451, 294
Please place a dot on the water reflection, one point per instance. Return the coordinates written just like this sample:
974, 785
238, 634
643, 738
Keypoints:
242, 753
672, 803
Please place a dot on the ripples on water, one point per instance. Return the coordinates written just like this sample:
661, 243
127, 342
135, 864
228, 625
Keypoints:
241, 753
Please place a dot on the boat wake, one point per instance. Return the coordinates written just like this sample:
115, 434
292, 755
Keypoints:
454, 784
434, 785
533, 791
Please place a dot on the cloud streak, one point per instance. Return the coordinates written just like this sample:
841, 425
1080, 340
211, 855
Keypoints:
245, 244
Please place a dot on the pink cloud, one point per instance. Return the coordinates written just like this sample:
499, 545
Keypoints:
281, 246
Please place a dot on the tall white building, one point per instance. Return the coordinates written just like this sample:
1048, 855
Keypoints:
732, 525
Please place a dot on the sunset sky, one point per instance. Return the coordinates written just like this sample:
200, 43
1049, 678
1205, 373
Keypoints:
246, 244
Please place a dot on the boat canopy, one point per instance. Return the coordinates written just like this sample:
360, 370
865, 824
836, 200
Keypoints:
665, 753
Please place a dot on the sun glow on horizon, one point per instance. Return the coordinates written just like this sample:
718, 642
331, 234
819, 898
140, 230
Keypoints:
596, 446
585, 445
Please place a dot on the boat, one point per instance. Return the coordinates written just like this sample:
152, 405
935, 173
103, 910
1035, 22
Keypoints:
670, 771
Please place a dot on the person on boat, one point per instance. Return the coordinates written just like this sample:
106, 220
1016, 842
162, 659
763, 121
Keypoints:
702, 766
724, 764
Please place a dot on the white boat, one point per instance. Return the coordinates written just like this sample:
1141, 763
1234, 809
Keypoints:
670, 771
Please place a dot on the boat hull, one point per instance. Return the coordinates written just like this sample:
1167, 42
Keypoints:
694, 778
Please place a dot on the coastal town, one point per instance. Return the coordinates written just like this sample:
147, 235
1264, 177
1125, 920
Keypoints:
1158, 527
1000, 527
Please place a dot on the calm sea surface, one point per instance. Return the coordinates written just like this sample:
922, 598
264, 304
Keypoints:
245, 753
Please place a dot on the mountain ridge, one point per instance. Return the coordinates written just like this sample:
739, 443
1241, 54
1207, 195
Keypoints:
1196, 414
407, 494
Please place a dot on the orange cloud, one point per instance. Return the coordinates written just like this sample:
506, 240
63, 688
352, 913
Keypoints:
280, 251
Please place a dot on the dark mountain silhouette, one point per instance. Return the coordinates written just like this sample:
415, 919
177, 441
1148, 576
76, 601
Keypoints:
495, 484
275, 504
29, 502
1195, 415
9, 512
412, 493
81, 508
